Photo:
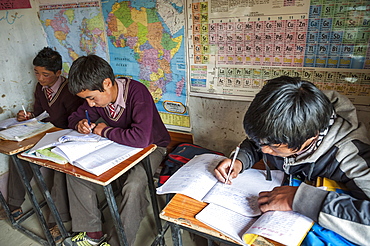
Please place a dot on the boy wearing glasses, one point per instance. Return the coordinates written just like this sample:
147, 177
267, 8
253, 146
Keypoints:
303, 131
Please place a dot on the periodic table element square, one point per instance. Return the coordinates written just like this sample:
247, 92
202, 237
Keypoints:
311, 49
353, 21
291, 25
290, 37
344, 62
313, 37
270, 25
327, 10
266, 73
309, 60
326, 24
230, 59
347, 49
221, 59
212, 38
335, 49
247, 72
315, 11
268, 49
230, 72
259, 26
237, 82
267, 60
333, 61
350, 36
221, 72
302, 25
308, 75
238, 72
280, 26
247, 82
249, 48
288, 60
229, 82
363, 36
336, 36
289, 49
321, 61
257, 60
196, 39
340, 10
221, 49
204, 28
230, 49
339, 23
324, 36
298, 61
314, 24
239, 60
299, 49
360, 50
300, 37
323, 49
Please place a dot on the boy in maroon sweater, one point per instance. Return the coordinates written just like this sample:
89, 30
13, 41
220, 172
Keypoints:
51, 95
130, 118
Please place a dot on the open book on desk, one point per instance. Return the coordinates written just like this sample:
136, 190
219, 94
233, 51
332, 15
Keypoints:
20, 130
196, 179
89, 152
285, 227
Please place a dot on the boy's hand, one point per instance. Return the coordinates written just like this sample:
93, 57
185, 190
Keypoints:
84, 127
21, 116
279, 199
223, 167
99, 128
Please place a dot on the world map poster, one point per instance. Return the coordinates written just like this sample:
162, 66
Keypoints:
143, 40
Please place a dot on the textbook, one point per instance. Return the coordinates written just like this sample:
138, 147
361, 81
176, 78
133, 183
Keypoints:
20, 130
90, 152
196, 179
285, 227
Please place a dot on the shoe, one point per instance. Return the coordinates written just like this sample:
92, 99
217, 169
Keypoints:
17, 214
105, 244
55, 233
82, 239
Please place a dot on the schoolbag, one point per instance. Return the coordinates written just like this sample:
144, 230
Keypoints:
180, 156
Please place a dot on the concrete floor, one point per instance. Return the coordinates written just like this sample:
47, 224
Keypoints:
146, 234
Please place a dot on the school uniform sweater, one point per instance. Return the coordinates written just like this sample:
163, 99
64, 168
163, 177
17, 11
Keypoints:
138, 124
60, 107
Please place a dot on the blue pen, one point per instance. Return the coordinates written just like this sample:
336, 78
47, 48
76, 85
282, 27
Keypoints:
87, 117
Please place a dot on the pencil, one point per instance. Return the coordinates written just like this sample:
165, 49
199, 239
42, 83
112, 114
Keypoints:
87, 117
25, 112
232, 163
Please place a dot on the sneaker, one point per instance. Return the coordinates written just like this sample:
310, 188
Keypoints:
17, 214
55, 233
82, 239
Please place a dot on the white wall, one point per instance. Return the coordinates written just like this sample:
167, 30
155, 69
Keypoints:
21, 37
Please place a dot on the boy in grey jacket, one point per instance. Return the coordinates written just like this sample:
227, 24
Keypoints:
303, 131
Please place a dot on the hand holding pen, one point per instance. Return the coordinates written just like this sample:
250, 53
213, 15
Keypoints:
85, 126
228, 169
23, 115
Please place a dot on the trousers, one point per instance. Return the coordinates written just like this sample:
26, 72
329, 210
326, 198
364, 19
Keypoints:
17, 192
84, 209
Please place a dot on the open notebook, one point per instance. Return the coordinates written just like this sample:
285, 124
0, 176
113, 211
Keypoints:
89, 152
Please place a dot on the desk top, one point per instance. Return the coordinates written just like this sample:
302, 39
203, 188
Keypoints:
105, 178
9, 147
182, 209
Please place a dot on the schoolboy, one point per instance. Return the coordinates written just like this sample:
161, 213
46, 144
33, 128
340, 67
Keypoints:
302, 130
131, 118
51, 94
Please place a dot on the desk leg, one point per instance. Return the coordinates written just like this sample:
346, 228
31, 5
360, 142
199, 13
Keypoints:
34, 202
47, 196
176, 235
112, 204
153, 195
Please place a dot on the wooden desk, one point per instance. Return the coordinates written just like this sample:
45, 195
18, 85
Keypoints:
180, 213
105, 180
12, 148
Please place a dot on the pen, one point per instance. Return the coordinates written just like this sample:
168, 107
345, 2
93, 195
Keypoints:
232, 163
25, 112
87, 117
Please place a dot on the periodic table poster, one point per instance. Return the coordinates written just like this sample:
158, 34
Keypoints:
236, 45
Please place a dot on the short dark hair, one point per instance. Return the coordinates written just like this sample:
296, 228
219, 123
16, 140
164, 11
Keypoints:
288, 111
49, 59
88, 73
